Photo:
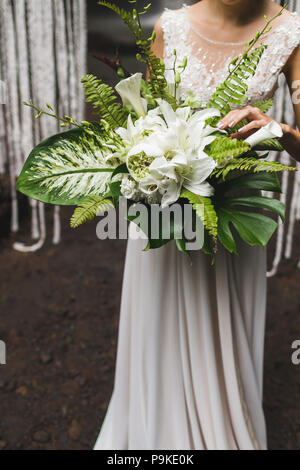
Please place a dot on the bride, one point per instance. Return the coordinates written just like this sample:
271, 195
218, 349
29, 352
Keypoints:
189, 371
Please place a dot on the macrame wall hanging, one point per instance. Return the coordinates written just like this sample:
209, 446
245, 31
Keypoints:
43, 57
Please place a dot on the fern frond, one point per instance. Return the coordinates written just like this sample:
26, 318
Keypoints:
264, 105
124, 14
233, 89
104, 101
269, 144
204, 209
89, 208
251, 163
224, 147
156, 66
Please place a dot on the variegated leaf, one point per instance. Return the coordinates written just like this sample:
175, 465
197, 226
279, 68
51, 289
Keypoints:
65, 168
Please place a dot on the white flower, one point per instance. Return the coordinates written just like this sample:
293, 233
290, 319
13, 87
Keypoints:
269, 131
130, 92
129, 189
165, 152
136, 132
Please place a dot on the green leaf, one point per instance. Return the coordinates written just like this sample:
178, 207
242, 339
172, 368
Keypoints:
227, 92
204, 209
115, 191
269, 144
104, 101
223, 147
253, 163
264, 105
259, 201
176, 228
121, 169
254, 228
65, 169
263, 181
89, 208
224, 233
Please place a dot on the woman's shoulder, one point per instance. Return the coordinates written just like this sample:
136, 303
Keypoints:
173, 16
172, 22
289, 26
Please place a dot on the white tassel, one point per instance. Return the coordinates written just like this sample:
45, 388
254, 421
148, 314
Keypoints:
56, 226
18, 246
32, 63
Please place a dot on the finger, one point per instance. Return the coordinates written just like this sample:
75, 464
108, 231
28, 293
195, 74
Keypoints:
248, 129
229, 120
236, 116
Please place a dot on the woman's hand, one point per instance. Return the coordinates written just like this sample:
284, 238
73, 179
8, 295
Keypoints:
255, 116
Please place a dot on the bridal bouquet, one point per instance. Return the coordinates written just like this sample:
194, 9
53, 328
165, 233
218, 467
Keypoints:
152, 148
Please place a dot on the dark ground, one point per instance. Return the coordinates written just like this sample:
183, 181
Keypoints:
59, 319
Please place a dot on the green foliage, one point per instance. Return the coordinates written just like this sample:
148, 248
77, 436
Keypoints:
233, 89
262, 181
251, 163
273, 205
224, 147
104, 101
269, 144
264, 105
253, 228
156, 66
66, 168
204, 209
89, 208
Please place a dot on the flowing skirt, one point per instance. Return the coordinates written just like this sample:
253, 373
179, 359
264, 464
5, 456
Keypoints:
189, 370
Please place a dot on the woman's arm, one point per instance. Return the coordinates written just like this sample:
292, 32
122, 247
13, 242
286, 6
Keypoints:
291, 137
158, 45
257, 119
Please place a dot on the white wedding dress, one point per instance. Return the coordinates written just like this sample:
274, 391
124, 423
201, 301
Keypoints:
189, 371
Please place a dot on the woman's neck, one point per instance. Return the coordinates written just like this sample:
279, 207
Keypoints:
235, 11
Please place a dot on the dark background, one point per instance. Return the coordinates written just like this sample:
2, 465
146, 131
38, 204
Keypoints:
60, 310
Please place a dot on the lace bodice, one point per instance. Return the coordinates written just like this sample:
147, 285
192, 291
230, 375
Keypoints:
208, 60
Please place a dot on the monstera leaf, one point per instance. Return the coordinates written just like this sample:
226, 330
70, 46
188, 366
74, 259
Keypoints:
253, 227
65, 169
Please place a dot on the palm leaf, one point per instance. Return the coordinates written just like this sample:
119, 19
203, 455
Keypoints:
263, 202
263, 181
89, 208
65, 168
254, 228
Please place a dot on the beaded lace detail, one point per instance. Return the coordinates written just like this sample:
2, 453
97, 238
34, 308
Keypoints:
208, 60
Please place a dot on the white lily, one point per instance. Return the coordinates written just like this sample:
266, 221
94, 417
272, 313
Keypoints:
166, 152
163, 179
269, 131
135, 132
130, 92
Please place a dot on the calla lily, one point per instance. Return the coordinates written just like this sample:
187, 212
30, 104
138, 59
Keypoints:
269, 131
130, 92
